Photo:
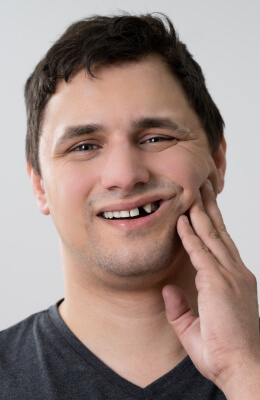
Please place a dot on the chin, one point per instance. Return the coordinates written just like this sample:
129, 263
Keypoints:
148, 259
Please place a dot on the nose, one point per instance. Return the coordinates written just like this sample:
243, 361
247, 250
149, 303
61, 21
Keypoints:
123, 169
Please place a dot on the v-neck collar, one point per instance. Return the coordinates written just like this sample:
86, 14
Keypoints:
151, 391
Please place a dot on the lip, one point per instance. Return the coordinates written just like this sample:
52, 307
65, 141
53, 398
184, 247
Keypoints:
129, 205
138, 223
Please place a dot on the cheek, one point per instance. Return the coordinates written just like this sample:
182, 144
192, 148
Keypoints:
184, 168
69, 189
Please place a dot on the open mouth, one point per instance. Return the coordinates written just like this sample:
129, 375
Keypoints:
134, 213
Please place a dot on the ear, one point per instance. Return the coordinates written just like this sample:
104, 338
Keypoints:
38, 190
219, 159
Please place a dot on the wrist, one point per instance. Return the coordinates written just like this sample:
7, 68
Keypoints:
244, 383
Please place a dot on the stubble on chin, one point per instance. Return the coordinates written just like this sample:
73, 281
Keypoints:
140, 254
148, 261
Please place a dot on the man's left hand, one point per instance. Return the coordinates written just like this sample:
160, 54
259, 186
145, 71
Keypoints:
223, 342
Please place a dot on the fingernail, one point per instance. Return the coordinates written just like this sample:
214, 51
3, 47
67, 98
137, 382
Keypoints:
209, 184
185, 219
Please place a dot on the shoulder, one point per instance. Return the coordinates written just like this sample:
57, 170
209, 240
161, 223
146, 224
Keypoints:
16, 341
16, 332
22, 353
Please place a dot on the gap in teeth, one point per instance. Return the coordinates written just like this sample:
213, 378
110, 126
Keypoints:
135, 212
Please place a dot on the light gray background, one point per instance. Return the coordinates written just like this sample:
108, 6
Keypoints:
224, 38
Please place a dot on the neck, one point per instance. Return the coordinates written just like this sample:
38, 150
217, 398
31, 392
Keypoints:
126, 329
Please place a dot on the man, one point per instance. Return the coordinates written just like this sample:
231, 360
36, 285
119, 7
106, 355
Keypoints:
125, 150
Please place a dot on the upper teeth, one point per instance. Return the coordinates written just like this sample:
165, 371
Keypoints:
129, 213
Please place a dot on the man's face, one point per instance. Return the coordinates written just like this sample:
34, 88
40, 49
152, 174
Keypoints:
116, 146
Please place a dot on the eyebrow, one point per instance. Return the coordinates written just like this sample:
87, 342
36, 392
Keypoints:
73, 132
159, 122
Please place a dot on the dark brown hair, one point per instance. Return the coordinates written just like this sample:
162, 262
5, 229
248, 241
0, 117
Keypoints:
104, 40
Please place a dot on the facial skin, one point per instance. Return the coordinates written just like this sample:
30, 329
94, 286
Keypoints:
125, 154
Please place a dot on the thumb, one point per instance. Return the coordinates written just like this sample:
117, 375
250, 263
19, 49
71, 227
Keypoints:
180, 316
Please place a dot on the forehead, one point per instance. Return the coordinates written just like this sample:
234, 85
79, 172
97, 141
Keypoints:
117, 95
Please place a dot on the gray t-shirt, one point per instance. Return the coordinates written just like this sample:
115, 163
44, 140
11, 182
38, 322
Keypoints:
40, 358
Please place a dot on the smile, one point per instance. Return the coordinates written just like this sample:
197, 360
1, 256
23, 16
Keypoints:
134, 213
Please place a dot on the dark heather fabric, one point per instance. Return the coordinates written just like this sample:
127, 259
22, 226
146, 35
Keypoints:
40, 358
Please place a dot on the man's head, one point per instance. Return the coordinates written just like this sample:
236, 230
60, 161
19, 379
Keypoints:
124, 146
116, 40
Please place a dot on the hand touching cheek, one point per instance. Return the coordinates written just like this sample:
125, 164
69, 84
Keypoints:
223, 342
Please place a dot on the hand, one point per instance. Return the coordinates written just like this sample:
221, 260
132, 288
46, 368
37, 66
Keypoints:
223, 342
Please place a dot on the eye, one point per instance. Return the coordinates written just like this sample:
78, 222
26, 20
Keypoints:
85, 147
157, 139
157, 143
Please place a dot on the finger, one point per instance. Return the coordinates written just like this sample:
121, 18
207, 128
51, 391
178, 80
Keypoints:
211, 208
181, 318
205, 231
198, 252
